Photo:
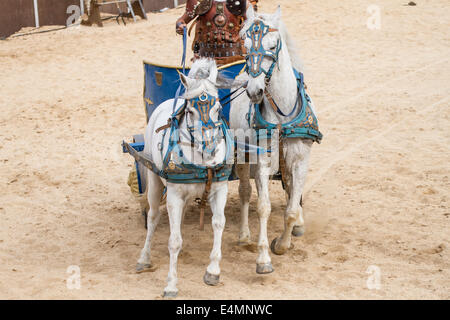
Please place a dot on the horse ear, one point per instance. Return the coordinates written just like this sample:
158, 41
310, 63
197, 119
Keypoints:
213, 72
277, 15
250, 14
185, 80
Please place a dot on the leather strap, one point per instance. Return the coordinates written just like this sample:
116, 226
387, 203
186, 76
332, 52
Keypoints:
281, 161
164, 127
178, 116
272, 103
205, 198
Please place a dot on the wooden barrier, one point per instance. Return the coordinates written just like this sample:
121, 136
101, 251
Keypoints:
15, 14
135, 7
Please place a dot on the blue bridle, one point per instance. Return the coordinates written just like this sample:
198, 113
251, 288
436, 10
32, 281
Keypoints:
305, 124
257, 31
203, 104
182, 170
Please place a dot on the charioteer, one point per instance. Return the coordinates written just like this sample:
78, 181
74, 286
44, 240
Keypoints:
217, 26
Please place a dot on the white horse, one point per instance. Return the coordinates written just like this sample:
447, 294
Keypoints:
199, 83
270, 74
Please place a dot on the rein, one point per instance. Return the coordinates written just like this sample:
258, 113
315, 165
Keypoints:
222, 100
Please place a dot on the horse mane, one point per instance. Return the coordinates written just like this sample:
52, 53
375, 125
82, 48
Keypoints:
285, 36
292, 47
201, 70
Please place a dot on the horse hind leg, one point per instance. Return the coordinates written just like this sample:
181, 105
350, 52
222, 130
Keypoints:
293, 212
299, 225
153, 183
281, 244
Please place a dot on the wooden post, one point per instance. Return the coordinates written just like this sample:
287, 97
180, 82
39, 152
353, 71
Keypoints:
139, 9
94, 15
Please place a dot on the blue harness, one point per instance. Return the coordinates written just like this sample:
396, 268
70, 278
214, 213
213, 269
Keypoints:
182, 170
176, 167
304, 125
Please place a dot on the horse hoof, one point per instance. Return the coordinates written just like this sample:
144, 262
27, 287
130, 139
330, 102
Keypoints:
144, 267
211, 279
244, 242
273, 247
170, 294
263, 268
298, 231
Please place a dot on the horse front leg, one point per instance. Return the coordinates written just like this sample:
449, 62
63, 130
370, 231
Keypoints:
217, 203
154, 197
294, 212
245, 192
175, 205
263, 262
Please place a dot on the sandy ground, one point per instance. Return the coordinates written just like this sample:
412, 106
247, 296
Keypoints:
377, 191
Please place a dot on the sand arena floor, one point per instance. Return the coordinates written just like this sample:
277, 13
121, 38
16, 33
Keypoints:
377, 191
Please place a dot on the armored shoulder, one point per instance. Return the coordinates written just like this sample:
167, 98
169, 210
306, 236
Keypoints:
198, 7
237, 7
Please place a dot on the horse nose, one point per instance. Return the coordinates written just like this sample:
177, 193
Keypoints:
259, 94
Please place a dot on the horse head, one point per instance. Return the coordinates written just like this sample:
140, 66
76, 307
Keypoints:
263, 42
202, 108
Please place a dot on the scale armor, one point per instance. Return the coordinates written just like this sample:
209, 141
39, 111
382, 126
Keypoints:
217, 28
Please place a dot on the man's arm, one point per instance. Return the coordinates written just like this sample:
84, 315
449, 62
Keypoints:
187, 17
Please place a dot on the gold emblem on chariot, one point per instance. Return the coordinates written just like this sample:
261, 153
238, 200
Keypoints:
172, 165
310, 119
158, 78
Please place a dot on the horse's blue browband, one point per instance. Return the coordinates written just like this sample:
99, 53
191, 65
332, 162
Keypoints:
304, 125
203, 105
256, 54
